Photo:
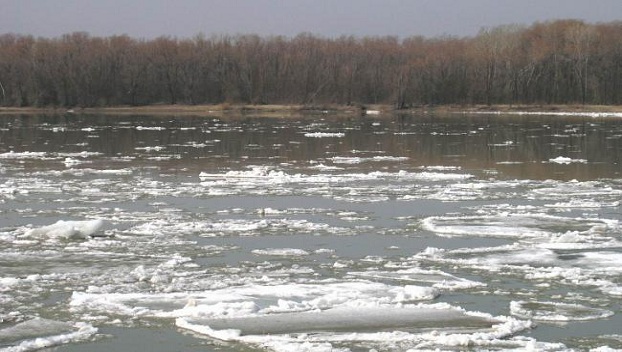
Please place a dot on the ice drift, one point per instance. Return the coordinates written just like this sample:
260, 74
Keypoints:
68, 229
40, 333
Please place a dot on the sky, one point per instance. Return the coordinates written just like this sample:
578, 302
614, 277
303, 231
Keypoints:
328, 18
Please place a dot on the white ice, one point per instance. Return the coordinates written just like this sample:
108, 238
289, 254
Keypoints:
501, 225
438, 279
324, 313
556, 311
566, 160
325, 134
22, 155
535, 226
253, 300
397, 328
268, 175
38, 333
68, 229
283, 252
358, 159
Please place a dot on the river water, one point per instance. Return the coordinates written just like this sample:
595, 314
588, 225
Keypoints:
317, 233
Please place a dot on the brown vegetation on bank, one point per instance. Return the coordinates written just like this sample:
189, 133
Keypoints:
284, 111
560, 62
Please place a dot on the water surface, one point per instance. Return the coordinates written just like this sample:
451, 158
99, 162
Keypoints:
482, 232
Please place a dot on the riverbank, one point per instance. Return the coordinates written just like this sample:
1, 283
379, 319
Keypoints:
297, 110
192, 110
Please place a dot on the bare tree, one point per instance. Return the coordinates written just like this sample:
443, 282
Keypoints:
560, 61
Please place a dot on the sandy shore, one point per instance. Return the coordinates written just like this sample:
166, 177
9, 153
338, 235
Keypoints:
297, 110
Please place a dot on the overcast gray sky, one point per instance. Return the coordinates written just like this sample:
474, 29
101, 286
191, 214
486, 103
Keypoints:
330, 18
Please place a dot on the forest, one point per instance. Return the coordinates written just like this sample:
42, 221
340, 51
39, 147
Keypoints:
556, 62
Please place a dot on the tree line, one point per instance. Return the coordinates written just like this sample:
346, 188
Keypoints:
557, 62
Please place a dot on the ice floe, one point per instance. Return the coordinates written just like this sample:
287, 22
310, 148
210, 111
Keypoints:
325, 313
22, 155
38, 333
325, 134
256, 299
566, 160
68, 229
595, 192
358, 160
402, 328
263, 179
436, 278
556, 312
285, 252
514, 225
236, 227
150, 128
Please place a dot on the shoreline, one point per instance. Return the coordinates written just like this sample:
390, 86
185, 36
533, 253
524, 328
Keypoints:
297, 110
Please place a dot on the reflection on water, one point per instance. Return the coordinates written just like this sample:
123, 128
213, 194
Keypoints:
536, 147
497, 231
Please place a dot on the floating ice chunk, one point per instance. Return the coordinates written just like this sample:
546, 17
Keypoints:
8, 190
566, 160
608, 261
223, 334
88, 171
583, 204
68, 229
436, 176
347, 160
22, 155
270, 211
494, 226
146, 128
151, 149
532, 225
567, 237
395, 328
389, 158
325, 134
258, 176
254, 172
554, 311
254, 299
358, 160
33, 328
344, 320
285, 252
612, 290
531, 256
82, 154
441, 168
502, 144
437, 278
604, 349
293, 316
236, 226
40, 333
71, 162
574, 189
322, 167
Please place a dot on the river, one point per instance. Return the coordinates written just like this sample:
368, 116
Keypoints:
321, 233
